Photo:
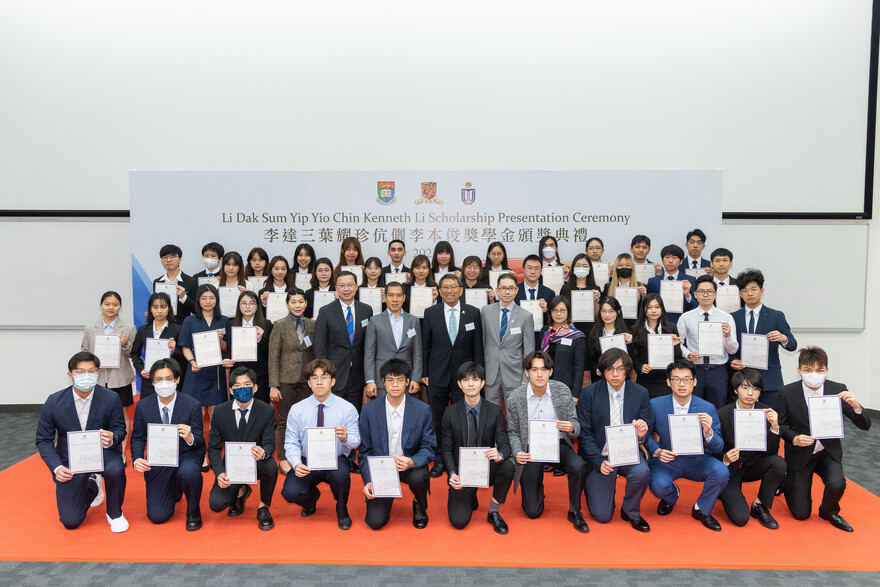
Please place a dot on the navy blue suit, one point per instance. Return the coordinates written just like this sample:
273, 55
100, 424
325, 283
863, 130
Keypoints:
594, 414
163, 483
703, 468
59, 416
768, 321
653, 286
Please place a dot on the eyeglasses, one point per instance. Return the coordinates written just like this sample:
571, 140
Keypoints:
705, 292
677, 380
449, 288
324, 377
615, 370
170, 257
248, 305
507, 288
83, 371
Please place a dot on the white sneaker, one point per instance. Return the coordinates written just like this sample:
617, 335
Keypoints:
99, 499
119, 524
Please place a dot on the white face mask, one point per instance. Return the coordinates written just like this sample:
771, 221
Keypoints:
814, 380
165, 388
211, 263
549, 252
581, 272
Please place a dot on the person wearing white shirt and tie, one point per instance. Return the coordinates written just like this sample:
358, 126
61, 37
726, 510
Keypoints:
696, 242
396, 251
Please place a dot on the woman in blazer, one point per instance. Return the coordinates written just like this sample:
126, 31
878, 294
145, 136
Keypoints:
652, 320
249, 312
160, 324
609, 322
444, 259
581, 278
323, 279
623, 275
565, 344
279, 280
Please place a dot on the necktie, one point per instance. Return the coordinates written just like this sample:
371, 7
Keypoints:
503, 328
531, 294
472, 427
397, 269
694, 265
670, 278
705, 319
320, 415
242, 422
453, 326
615, 409
165, 418
751, 322
349, 324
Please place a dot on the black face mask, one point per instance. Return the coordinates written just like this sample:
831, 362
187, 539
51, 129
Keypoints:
625, 272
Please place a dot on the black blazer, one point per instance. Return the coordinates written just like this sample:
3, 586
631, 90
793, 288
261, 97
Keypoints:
261, 365
568, 361
137, 346
187, 410
594, 413
407, 288
260, 429
403, 268
331, 342
491, 431
746, 458
440, 358
794, 420
310, 304
189, 306
639, 354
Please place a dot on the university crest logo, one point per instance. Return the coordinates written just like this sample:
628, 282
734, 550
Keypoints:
468, 194
429, 193
386, 192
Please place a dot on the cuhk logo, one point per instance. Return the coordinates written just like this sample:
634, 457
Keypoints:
386, 192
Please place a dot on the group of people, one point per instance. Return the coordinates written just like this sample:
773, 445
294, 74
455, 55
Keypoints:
418, 388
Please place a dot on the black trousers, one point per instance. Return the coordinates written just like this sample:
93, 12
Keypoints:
441, 397
163, 483
769, 470
532, 481
799, 483
304, 490
379, 508
267, 476
460, 504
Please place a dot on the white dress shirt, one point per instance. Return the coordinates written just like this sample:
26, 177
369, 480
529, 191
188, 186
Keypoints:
688, 330
448, 311
394, 419
541, 408
83, 405
747, 316
808, 393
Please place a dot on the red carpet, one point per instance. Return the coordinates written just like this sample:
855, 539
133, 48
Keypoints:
31, 531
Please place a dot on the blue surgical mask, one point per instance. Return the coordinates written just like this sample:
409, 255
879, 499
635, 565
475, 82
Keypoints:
86, 381
243, 394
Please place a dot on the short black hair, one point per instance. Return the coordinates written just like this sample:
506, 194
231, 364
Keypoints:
81, 357
748, 276
451, 276
527, 361
721, 252
165, 364
611, 356
170, 250
697, 233
111, 294
681, 364
294, 291
640, 238
242, 371
159, 295
706, 279
674, 250
391, 284
594, 238
749, 376
397, 240
395, 367
348, 273
509, 276
215, 248
207, 287
471, 369
532, 257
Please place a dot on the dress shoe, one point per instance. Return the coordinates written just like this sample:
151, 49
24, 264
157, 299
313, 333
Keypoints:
558, 472
353, 468
577, 519
778, 491
420, 516
836, 521
664, 508
237, 507
476, 504
310, 511
707, 520
344, 522
762, 514
437, 470
193, 521
99, 498
205, 468
639, 524
117, 525
547, 468
264, 518
498, 523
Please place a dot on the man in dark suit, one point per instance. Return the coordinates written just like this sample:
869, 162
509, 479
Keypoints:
80, 407
400, 427
393, 334
614, 401
396, 252
452, 334
721, 260
672, 255
531, 288
475, 423
171, 256
164, 483
243, 419
757, 318
805, 455
695, 241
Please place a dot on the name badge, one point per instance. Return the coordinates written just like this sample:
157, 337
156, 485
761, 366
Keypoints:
307, 341
411, 332
364, 322
516, 330
469, 326
565, 342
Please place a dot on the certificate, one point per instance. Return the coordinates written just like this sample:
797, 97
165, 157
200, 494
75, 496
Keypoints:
615, 341
155, 349
384, 476
372, 296
644, 272
543, 441
357, 270
303, 281
473, 466
108, 348
686, 434
170, 289
629, 301
826, 416
396, 277
601, 273
438, 275
534, 306
672, 294
754, 351
553, 278
229, 300
623, 445
661, 350
321, 449
583, 305
206, 347
256, 282
244, 343
695, 272
727, 298
321, 299
710, 339
241, 466
476, 298
162, 445
750, 430
215, 281
85, 453
276, 306
494, 274
420, 299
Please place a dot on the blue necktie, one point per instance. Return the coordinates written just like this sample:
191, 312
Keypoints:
532, 294
751, 322
453, 327
503, 329
165, 418
349, 324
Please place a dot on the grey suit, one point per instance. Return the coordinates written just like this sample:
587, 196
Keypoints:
379, 347
504, 357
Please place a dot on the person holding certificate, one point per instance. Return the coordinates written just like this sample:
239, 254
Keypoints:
471, 423
594, 249
471, 270
243, 419
392, 334
720, 261
640, 247
304, 259
291, 348
672, 256
617, 402
666, 465
170, 459
321, 430
751, 440
420, 276
805, 453
160, 326
171, 256
756, 318
710, 354
211, 255
695, 241
496, 260
443, 260
373, 276
250, 354
610, 323
396, 252
542, 399
350, 255
651, 352
582, 279
565, 344
323, 281
111, 339
233, 271
398, 427
280, 280
257, 264
84, 406
623, 275
531, 288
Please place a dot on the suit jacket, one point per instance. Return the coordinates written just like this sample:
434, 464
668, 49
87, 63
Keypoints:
140, 340
331, 342
112, 377
504, 357
568, 361
187, 307
260, 429
663, 407
768, 321
749, 457
380, 346
653, 286
187, 410
491, 432
261, 365
688, 262
58, 415
418, 439
794, 419
543, 293
287, 354
440, 357
403, 268
594, 414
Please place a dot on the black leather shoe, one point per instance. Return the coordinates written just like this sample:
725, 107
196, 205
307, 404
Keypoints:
437, 470
778, 491
264, 518
344, 523
237, 507
353, 468
310, 511
558, 472
664, 508
476, 504
498, 523
641, 525
420, 516
836, 521
205, 468
577, 519
762, 514
547, 468
193, 521
707, 520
